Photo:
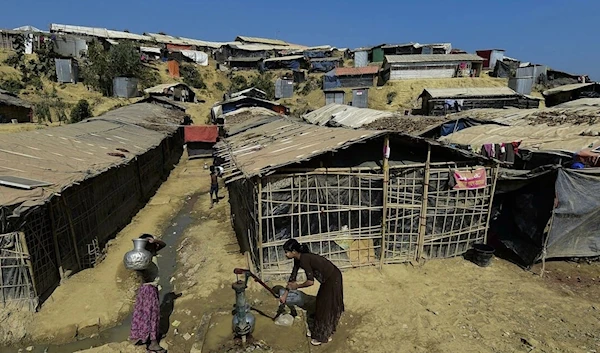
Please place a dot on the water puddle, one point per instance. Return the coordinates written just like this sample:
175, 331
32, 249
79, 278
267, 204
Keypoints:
167, 262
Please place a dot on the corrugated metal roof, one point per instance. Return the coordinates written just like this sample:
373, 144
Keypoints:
285, 58
12, 99
425, 58
344, 115
565, 88
469, 92
268, 147
261, 40
356, 71
97, 32
245, 59
162, 87
332, 58
256, 47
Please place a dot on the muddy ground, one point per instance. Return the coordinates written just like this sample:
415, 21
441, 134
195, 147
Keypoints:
440, 306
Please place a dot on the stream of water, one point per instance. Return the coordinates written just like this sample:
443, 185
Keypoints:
168, 264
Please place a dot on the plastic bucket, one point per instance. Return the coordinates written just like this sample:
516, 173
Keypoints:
482, 255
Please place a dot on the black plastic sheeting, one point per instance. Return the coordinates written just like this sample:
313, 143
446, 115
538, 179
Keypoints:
321, 66
575, 228
523, 203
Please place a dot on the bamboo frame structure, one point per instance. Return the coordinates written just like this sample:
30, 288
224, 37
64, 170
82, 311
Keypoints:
16, 283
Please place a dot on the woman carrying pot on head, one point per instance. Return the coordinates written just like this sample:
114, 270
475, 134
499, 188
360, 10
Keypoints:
146, 314
330, 298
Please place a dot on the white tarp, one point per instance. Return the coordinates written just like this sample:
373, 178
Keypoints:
150, 50
199, 57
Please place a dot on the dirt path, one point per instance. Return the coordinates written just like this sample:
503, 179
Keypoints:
442, 306
98, 298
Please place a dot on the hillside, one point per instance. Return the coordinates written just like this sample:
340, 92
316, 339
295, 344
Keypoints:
307, 96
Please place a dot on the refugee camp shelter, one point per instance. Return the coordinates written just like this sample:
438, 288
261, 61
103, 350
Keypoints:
328, 188
175, 91
490, 57
125, 87
244, 63
440, 101
293, 62
70, 189
67, 70
239, 102
351, 77
398, 67
566, 93
12, 108
345, 116
250, 92
200, 139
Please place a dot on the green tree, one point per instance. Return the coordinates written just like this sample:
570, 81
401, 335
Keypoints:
121, 60
191, 76
81, 111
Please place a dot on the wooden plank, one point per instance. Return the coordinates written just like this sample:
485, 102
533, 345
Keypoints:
386, 179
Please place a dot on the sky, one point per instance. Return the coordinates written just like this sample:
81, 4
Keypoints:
557, 33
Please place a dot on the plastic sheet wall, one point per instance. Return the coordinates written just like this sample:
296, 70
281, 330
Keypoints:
125, 87
575, 228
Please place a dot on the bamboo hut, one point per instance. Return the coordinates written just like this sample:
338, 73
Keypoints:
89, 180
335, 190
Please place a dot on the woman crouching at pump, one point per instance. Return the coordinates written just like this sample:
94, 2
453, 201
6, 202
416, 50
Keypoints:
330, 298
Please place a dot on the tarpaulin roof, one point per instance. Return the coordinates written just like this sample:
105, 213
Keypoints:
565, 128
283, 142
97, 32
201, 133
566, 88
71, 153
345, 115
261, 40
9, 98
285, 58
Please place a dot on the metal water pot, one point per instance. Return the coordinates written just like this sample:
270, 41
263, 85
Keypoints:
139, 258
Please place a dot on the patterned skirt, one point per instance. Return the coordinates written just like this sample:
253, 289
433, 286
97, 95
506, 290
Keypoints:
146, 314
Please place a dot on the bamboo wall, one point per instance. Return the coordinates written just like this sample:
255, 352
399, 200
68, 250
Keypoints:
68, 233
339, 214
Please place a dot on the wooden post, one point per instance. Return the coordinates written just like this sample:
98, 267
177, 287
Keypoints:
386, 180
72, 227
547, 236
423, 213
55, 238
260, 230
27, 259
487, 222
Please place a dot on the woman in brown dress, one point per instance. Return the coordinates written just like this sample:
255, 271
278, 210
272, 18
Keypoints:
330, 298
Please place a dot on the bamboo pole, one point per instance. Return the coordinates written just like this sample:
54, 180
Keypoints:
55, 240
423, 214
550, 222
73, 237
386, 179
260, 231
27, 260
487, 222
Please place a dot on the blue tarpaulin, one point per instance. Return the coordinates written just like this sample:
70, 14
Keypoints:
322, 66
314, 54
330, 80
